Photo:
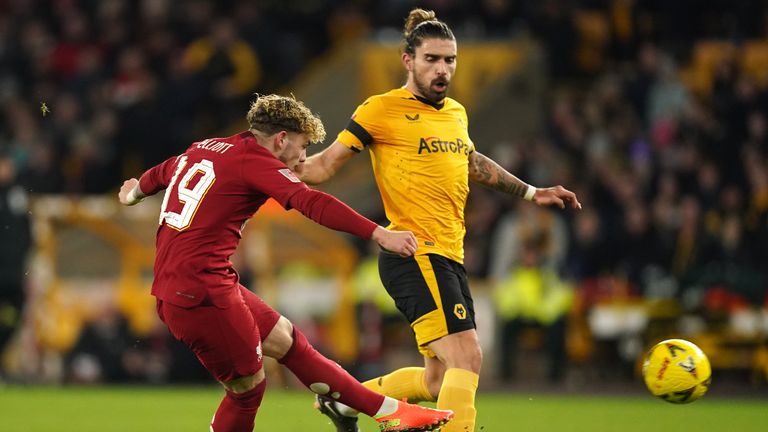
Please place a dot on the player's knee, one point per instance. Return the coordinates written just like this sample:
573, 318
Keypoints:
469, 357
279, 340
471, 360
246, 383
475, 359
298, 348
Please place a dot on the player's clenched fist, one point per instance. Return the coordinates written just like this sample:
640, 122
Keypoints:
128, 193
402, 243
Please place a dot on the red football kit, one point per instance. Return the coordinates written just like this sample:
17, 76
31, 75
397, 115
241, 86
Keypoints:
211, 191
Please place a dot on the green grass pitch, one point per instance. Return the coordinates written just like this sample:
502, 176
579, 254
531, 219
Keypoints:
161, 409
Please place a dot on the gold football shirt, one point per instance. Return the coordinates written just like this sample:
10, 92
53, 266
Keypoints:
420, 155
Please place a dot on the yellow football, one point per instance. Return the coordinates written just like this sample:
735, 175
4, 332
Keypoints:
677, 371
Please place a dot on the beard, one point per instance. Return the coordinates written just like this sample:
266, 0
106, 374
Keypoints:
435, 90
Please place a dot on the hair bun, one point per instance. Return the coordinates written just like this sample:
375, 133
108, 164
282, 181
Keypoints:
416, 17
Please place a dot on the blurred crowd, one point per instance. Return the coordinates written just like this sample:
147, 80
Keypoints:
667, 178
89, 89
674, 182
92, 89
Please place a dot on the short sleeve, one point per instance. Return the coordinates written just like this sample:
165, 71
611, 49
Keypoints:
365, 126
267, 175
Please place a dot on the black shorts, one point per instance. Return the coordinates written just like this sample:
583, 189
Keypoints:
432, 292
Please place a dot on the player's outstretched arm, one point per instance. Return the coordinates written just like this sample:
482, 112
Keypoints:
321, 166
334, 214
486, 172
130, 192
402, 243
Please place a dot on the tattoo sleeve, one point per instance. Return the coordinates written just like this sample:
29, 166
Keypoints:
488, 173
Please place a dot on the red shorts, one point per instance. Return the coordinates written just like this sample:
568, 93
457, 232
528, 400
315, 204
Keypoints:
226, 341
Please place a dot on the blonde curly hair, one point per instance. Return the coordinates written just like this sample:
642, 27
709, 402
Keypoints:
273, 113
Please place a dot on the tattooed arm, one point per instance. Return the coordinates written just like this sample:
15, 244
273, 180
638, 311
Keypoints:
488, 173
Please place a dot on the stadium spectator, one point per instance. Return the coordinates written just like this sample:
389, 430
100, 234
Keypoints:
482, 216
552, 23
588, 255
75, 47
107, 351
423, 173
15, 241
532, 295
526, 225
212, 190
226, 68
638, 248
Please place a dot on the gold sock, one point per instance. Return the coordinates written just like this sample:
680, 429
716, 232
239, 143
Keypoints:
458, 394
407, 383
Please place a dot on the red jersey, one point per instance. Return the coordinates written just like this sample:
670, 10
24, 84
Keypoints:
211, 191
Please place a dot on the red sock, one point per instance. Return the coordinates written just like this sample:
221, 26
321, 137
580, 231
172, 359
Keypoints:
326, 377
237, 411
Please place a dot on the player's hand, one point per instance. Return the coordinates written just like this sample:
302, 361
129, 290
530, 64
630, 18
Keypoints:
556, 195
125, 190
402, 243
